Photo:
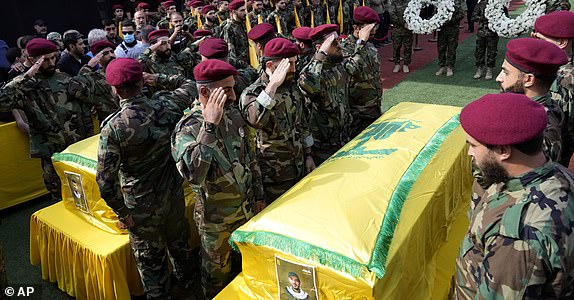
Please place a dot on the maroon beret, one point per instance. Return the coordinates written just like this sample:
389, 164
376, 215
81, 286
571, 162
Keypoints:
213, 70
280, 48
235, 4
214, 48
143, 5
535, 56
156, 34
302, 34
101, 45
261, 31
117, 6
196, 4
168, 4
39, 46
557, 24
503, 119
365, 15
207, 9
321, 31
123, 70
201, 33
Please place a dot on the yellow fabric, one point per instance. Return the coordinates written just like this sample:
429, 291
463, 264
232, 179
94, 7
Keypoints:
340, 16
253, 60
99, 213
328, 14
199, 23
278, 24
297, 22
219, 18
120, 33
20, 176
312, 19
340, 206
86, 262
259, 19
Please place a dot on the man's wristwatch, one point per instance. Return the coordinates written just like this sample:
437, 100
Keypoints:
209, 127
361, 42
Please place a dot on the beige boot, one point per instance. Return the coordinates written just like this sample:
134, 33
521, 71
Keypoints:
449, 72
488, 75
397, 68
478, 73
440, 71
406, 69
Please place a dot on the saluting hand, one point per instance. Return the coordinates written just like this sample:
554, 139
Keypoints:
365, 32
35, 67
212, 111
278, 77
150, 79
327, 43
95, 60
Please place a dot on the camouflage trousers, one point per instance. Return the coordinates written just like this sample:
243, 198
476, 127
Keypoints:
152, 238
322, 153
447, 44
219, 264
51, 179
274, 190
486, 51
406, 42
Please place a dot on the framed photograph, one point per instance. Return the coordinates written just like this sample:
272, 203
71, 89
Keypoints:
77, 191
295, 280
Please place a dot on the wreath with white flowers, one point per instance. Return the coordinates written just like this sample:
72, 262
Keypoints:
418, 25
508, 27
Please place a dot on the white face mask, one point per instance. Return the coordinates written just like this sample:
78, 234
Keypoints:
129, 38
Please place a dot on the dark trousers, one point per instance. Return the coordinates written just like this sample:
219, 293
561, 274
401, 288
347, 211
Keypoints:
470, 4
51, 179
486, 51
447, 44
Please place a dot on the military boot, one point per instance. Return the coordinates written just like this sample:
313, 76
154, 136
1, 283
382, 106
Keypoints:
478, 73
488, 75
406, 69
397, 68
449, 72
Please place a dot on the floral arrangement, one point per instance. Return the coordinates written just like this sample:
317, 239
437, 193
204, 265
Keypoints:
508, 27
444, 11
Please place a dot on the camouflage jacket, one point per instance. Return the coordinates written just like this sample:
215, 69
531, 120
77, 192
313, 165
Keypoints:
316, 15
562, 91
163, 23
235, 34
215, 29
191, 22
458, 14
282, 124
181, 63
245, 77
554, 5
223, 16
553, 131
279, 18
303, 60
91, 86
365, 89
397, 19
254, 18
479, 17
222, 164
520, 241
326, 85
135, 171
56, 118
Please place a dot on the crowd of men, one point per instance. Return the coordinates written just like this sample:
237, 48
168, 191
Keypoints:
272, 90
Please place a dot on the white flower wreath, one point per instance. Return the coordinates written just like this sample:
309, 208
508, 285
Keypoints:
508, 27
445, 9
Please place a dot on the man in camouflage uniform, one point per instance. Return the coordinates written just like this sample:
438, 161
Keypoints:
159, 59
257, 14
529, 68
486, 42
138, 179
325, 82
210, 21
520, 241
169, 7
233, 31
212, 151
90, 84
558, 28
402, 36
222, 11
316, 13
305, 45
56, 118
278, 18
448, 40
275, 106
366, 92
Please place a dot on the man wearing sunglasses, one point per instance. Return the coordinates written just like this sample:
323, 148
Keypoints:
130, 47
